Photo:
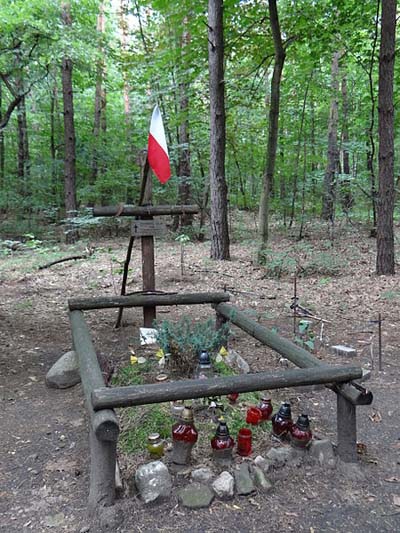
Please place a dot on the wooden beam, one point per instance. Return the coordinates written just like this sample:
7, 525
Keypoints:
346, 430
187, 389
147, 300
104, 428
297, 355
105, 425
152, 210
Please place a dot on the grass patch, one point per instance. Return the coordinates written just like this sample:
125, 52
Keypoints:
138, 423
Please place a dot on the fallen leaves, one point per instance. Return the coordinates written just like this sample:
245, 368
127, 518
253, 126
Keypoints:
375, 416
396, 499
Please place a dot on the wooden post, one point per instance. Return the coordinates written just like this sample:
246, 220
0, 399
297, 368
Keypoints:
220, 322
346, 430
104, 429
148, 270
103, 457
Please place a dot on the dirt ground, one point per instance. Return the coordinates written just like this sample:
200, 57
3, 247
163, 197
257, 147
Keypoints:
44, 454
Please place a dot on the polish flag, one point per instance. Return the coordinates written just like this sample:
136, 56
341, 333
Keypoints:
157, 151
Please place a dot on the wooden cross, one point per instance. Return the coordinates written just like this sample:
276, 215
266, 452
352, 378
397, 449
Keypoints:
145, 227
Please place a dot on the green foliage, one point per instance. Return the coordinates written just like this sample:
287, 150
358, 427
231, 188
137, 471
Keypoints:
306, 337
302, 260
131, 374
183, 340
222, 369
138, 423
391, 295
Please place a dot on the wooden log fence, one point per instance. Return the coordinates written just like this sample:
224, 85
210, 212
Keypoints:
147, 300
100, 401
109, 398
145, 210
104, 428
294, 353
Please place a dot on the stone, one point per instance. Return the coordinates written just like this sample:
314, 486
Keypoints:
196, 496
141, 360
202, 475
84, 529
279, 456
242, 364
64, 373
262, 483
153, 481
323, 452
243, 481
224, 485
346, 351
262, 463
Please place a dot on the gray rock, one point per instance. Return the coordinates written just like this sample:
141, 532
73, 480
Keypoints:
234, 359
153, 481
323, 452
261, 481
242, 364
64, 373
224, 485
84, 529
196, 496
279, 456
262, 463
202, 475
243, 481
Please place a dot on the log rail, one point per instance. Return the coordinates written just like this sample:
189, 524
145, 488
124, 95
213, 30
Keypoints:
100, 401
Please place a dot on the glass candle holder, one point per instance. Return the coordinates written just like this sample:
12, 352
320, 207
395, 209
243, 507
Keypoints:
300, 432
155, 446
282, 421
265, 406
254, 415
232, 397
244, 441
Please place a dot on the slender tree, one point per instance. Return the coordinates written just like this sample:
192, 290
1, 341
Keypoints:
280, 55
385, 203
99, 100
218, 187
69, 134
346, 196
332, 166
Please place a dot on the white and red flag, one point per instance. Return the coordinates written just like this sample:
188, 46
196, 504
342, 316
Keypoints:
157, 151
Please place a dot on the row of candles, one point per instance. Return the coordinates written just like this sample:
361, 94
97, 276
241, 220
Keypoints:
185, 434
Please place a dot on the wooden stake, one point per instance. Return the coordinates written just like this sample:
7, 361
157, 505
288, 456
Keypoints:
380, 342
346, 430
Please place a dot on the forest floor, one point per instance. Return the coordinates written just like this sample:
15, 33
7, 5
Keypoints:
44, 453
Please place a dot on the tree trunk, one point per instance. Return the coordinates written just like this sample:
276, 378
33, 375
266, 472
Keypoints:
218, 187
385, 203
346, 196
99, 101
2, 152
371, 133
273, 125
69, 136
184, 187
298, 150
328, 205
